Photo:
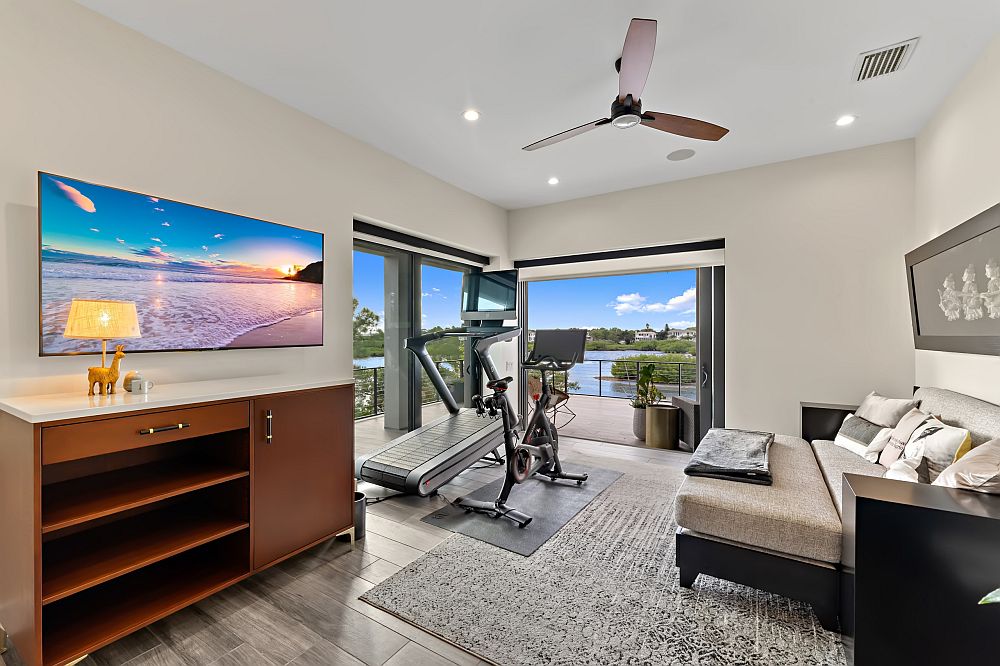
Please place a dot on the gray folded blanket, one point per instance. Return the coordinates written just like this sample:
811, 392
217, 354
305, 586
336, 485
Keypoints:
734, 455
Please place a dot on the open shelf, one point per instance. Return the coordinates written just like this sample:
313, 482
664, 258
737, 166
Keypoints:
88, 498
93, 618
81, 561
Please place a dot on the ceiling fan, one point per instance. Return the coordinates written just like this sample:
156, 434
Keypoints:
626, 109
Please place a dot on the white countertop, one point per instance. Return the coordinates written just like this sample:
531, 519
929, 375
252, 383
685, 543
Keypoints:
59, 406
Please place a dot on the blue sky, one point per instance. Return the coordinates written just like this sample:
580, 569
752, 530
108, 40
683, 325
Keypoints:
441, 291
625, 301
101, 221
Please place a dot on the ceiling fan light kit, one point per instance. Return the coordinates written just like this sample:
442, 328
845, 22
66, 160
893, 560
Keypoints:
626, 109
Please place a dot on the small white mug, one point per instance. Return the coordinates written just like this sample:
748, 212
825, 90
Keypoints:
141, 385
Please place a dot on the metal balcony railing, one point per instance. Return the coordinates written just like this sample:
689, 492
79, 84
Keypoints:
369, 387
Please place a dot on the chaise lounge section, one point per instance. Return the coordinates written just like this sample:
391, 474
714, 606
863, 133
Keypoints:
788, 538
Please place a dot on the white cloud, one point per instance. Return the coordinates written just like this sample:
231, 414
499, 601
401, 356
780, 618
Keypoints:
120, 240
95, 230
204, 248
155, 239
435, 289
165, 224
425, 293
626, 303
636, 302
681, 324
218, 236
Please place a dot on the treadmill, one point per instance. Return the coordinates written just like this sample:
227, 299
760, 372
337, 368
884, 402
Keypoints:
422, 461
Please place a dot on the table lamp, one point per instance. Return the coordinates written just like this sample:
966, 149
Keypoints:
102, 320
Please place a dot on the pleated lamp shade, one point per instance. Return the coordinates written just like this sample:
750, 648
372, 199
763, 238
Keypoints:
103, 320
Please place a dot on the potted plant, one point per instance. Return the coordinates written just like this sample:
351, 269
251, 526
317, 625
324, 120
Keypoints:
646, 394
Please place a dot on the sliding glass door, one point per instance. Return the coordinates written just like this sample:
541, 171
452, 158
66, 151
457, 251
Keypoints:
400, 294
440, 309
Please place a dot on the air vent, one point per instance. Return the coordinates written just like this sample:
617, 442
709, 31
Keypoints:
886, 60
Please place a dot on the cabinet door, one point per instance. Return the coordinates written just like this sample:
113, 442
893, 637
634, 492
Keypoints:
302, 476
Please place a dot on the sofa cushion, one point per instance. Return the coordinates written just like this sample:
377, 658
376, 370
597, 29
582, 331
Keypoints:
978, 470
794, 515
883, 411
834, 462
980, 418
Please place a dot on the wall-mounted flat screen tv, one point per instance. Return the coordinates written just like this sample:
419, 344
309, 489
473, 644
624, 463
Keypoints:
200, 278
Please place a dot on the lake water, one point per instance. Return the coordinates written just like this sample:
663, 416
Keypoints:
587, 375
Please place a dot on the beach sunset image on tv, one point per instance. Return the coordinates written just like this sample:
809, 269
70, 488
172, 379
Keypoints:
200, 278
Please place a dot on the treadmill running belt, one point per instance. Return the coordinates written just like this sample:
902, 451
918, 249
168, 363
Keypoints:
421, 461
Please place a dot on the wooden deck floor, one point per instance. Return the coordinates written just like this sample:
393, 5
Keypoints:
600, 419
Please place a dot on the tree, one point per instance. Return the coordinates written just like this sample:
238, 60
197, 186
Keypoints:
365, 321
664, 334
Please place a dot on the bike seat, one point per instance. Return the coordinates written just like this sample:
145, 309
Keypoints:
499, 384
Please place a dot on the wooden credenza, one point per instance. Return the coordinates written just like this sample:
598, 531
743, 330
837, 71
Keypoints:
117, 511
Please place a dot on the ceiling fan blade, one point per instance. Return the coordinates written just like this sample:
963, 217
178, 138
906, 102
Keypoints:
562, 136
681, 126
637, 58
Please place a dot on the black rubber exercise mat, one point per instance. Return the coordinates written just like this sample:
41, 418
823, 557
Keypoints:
551, 504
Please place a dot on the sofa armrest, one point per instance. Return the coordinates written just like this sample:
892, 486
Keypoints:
820, 420
913, 546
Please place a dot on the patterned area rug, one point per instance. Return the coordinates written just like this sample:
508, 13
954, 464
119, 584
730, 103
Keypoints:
603, 590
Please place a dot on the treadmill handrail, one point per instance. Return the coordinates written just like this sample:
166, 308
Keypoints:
418, 346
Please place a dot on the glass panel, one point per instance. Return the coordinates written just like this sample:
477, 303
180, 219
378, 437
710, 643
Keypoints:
369, 334
440, 309
633, 321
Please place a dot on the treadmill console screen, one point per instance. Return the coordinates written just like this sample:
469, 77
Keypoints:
489, 295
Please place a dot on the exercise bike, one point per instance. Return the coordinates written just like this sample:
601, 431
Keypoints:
538, 451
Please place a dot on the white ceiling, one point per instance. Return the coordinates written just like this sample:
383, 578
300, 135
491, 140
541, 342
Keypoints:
398, 74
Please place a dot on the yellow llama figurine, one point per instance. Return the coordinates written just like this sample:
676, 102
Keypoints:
105, 378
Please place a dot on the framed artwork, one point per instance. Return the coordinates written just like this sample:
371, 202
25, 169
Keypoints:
954, 284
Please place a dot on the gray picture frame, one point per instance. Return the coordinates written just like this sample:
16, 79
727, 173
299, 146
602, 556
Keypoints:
984, 222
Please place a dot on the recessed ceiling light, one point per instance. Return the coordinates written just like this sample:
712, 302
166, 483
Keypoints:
553, 181
471, 115
846, 120
679, 155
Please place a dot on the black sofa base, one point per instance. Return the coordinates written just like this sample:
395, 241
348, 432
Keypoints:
815, 585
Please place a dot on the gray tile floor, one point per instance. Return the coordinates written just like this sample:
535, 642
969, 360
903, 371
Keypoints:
306, 611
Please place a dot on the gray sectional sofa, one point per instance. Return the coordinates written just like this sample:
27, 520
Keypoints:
787, 538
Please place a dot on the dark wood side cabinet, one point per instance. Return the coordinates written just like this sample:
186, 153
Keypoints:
300, 472
117, 511
917, 558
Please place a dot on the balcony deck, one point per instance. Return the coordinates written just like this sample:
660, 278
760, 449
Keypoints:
601, 420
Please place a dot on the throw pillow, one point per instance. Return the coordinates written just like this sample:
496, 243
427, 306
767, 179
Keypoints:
905, 469
883, 411
962, 450
856, 434
900, 435
977, 470
937, 444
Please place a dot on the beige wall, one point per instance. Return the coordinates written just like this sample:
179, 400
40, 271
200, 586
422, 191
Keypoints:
957, 176
816, 304
88, 98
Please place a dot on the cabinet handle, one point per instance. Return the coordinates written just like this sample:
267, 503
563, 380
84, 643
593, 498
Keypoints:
268, 417
175, 426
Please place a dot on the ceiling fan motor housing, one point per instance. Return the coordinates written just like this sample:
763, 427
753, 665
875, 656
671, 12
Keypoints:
626, 113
